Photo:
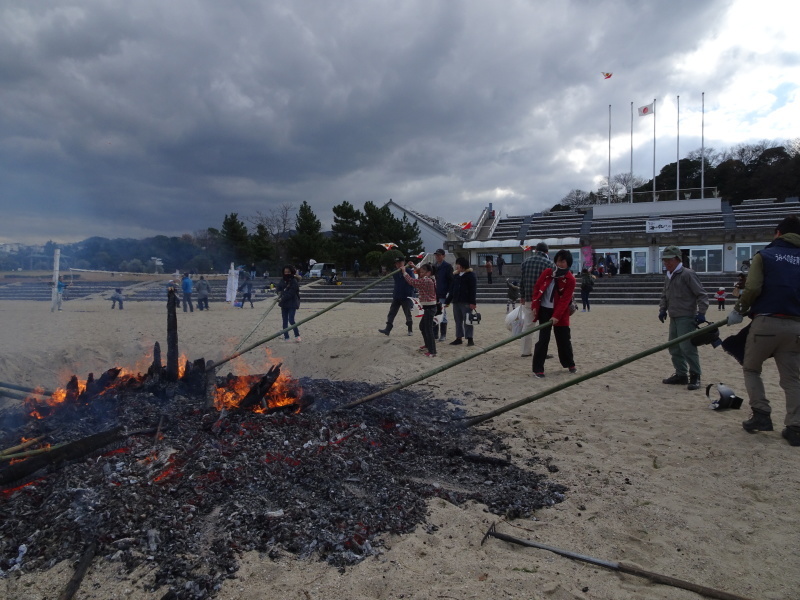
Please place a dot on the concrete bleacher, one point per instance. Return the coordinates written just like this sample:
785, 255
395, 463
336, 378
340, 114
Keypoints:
555, 225
763, 213
508, 228
680, 222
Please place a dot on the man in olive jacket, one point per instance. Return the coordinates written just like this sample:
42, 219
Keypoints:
685, 301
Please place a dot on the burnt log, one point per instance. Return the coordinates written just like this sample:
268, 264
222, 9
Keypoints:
60, 455
172, 336
256, 394
156, 367
80, 572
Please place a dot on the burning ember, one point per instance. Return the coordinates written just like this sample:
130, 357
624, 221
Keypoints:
155, 470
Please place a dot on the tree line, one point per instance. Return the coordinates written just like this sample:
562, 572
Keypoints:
281, 235
765, 169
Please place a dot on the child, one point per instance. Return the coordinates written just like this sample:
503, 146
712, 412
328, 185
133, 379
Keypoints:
720, 296
117, 297
513, 295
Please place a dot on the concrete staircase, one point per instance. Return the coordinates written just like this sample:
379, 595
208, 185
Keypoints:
622, 289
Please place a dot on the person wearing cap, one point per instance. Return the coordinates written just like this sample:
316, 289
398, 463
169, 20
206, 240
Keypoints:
531, 268
771, 296
444, 279
720, 298
685, 301
401, 298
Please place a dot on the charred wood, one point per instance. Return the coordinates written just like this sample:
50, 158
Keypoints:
172, 336
261, 388
59, 455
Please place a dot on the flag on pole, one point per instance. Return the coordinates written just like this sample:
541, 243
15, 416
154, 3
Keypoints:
466, 225
526, 248
646, 110
420, 255
388, 246
606, 75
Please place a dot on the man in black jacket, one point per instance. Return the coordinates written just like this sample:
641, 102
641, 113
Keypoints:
444, 278
401, 298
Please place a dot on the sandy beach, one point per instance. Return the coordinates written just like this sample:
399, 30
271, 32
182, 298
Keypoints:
655, 478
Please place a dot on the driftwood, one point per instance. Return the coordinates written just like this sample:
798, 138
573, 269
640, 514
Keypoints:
59, 455
80, 572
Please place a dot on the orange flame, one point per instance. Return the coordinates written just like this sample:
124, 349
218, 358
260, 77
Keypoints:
284, 392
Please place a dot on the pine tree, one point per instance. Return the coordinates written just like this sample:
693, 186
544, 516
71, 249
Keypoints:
307, 241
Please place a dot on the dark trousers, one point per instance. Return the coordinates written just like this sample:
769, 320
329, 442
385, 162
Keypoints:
426, 327
563, 342
187, 301
202, 303
720, 304
248, 297
288, 319
585, 298
395, 308
114, 303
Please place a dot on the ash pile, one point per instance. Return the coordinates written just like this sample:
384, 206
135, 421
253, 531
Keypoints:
154, 475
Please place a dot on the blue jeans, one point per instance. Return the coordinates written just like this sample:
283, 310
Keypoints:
288, 319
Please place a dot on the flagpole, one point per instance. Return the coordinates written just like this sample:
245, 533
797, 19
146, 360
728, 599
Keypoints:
678, 156
703, 149
654, 149
631, 173
609, 154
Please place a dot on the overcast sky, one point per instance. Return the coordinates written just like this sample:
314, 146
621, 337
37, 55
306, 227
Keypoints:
131, 119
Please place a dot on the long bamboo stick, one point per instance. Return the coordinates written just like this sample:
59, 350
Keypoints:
444, 367
576, 380
22, 388
261, 320
619, 566
302, 321
29, 453
22, 446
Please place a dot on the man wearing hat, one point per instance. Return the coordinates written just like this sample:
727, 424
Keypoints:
685, 301
401, 298
444, 279
532, 267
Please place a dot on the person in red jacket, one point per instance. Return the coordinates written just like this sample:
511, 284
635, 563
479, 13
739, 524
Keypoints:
552, 298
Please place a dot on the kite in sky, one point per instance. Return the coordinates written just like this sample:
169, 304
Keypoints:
388, 246
606, 75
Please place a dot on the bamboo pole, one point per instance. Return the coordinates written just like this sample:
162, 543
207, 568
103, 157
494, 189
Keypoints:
619, 566
576, 380
444, 367
22, 446
302, 321
29, 453
22, 388
261, 320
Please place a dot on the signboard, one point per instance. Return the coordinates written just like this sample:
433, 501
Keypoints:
658, 226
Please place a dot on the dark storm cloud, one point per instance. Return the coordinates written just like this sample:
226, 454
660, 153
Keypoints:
160, 117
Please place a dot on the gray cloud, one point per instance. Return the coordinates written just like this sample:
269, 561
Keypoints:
160, 117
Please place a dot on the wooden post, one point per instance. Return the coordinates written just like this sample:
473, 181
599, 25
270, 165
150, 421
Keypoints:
172, 335
56, 266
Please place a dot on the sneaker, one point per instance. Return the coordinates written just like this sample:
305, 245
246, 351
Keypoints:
384, 331
455, 342
791, 435
676, 379
423, 349
694, 382
573, 369
758, 421
525, 355
429, 355
470, 342
442, 339
298, 339
286, 339
410, 332
539, 375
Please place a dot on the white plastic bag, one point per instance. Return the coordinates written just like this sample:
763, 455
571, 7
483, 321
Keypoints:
514, 320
